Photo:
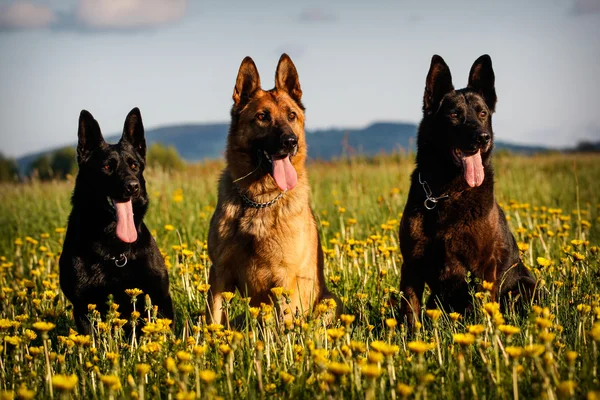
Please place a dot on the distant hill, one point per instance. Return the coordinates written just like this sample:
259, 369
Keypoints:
196, 142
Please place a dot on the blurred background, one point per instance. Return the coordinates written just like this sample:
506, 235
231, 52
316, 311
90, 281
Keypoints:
362, 68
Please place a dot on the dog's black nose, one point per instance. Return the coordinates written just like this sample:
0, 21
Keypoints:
289, 142
483, 138
132, 188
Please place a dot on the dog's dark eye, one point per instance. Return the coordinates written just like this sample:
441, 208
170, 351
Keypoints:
134, 166
483, 114
454, 115
261, 116
107, 167
292, 116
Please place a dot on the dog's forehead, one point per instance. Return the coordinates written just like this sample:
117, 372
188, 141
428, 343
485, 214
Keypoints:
474, 98
274, 100
120, 150
464, 98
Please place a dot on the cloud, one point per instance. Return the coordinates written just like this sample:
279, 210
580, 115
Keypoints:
94, 15
316, 15
129, 14
26, 15
581, 7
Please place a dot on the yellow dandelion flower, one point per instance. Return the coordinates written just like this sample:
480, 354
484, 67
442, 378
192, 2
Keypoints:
207, 376
336, 333
534, 350
215, 327
404, 390
64, 383
347, 319
25, 394
225, 349
376, 357
420, 347
543, 262
183, 355
286, 377
594, 333
371, 371
523, 246
454, 316
43, 326
338, 368
514, 351
509, 330
142, 369
434, 314
491, 308
358, 347
476, 329
277, 292
112, 381
203, 287
185, 367
464, 339
227, 296
169, 228
385, 348
170, 364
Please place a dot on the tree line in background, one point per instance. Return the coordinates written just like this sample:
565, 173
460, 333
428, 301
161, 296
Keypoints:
63, 162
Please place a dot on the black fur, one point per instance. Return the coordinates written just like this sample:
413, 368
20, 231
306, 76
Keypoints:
88, 273
467, 231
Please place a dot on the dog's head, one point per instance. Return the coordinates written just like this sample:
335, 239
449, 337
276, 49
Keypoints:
113, 173
267, 128
458, 123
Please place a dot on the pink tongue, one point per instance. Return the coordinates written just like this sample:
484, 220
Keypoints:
284, 173
473, 169
125, 226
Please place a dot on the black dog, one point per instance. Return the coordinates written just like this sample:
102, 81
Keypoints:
452, 224
107, 248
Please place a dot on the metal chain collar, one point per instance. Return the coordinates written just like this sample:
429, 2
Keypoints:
430, 201
121, 261
254, 204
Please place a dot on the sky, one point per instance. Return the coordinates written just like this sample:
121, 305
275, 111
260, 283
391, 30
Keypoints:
359, 62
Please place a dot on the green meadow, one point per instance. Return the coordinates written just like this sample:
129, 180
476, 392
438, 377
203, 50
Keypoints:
553, 205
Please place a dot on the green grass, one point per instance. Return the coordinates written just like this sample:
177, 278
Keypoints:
550, 200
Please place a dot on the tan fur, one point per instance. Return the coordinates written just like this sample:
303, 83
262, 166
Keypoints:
254, 250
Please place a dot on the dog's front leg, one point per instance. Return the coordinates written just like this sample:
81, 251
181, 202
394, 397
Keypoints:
84, 326
412, 285
219, 281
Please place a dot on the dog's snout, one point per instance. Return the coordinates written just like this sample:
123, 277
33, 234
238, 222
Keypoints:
289, 142
483, 138
132, 188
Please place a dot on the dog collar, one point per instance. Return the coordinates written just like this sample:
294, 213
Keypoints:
120, 261
254, 204
430, 201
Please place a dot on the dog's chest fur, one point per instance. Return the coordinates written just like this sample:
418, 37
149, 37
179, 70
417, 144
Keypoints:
457, 236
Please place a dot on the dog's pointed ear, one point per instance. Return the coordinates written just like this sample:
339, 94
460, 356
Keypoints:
482, 80
247, 82
89, 134
133, 131
437, 85
286, 78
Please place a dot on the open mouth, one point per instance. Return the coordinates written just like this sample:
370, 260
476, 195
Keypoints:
282, 170
472, 166
126, 230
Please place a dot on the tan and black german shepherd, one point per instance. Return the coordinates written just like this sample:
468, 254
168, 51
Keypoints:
263, 233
